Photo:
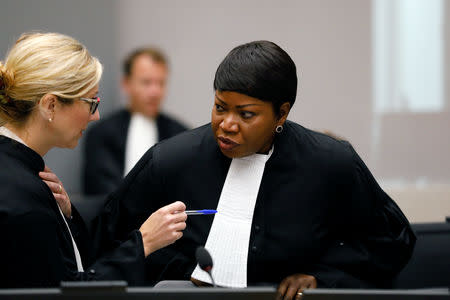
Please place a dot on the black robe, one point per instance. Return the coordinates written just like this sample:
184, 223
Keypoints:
104, 150
319, 210
37, 249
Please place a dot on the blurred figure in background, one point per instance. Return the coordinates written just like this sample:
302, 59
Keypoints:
122, 138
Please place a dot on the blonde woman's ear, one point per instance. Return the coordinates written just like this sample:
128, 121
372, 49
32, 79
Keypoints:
47, 105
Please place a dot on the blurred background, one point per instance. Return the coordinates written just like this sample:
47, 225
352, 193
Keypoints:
373, 72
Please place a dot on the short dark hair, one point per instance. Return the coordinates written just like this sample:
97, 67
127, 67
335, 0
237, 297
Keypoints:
155, 54
259, 69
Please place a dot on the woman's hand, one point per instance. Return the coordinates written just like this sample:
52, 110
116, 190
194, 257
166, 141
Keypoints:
58, 190
163, 227
292, 286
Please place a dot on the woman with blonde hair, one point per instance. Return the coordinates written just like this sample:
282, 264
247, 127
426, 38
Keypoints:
48, 95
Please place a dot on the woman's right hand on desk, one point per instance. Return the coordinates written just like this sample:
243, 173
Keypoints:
163, 227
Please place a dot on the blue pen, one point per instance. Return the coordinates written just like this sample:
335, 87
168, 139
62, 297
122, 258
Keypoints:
200, 212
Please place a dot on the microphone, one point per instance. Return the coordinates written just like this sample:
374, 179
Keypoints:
205, 261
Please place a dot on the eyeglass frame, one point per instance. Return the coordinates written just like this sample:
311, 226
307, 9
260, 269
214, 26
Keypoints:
94, 102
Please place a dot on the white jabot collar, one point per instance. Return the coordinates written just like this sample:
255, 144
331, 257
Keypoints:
228, 239
142, 135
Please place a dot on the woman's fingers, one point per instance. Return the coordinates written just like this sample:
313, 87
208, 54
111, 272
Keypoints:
174, 207
54, 187
179, 217
163, 227
282, 288
57, 188
292, 286
292, 291
179, 226
49, 176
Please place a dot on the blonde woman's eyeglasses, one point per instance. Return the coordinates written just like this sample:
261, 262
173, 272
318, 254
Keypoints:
94, 103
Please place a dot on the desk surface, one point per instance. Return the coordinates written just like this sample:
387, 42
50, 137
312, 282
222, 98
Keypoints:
263, 293
89, 293
353, 294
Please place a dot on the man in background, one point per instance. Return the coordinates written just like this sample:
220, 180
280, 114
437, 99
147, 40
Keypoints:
116, 143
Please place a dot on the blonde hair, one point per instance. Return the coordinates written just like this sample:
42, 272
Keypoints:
40, 64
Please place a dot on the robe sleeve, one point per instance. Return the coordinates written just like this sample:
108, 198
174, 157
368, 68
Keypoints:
124, 261
126, 209
143, 191
35, 256
373, 239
